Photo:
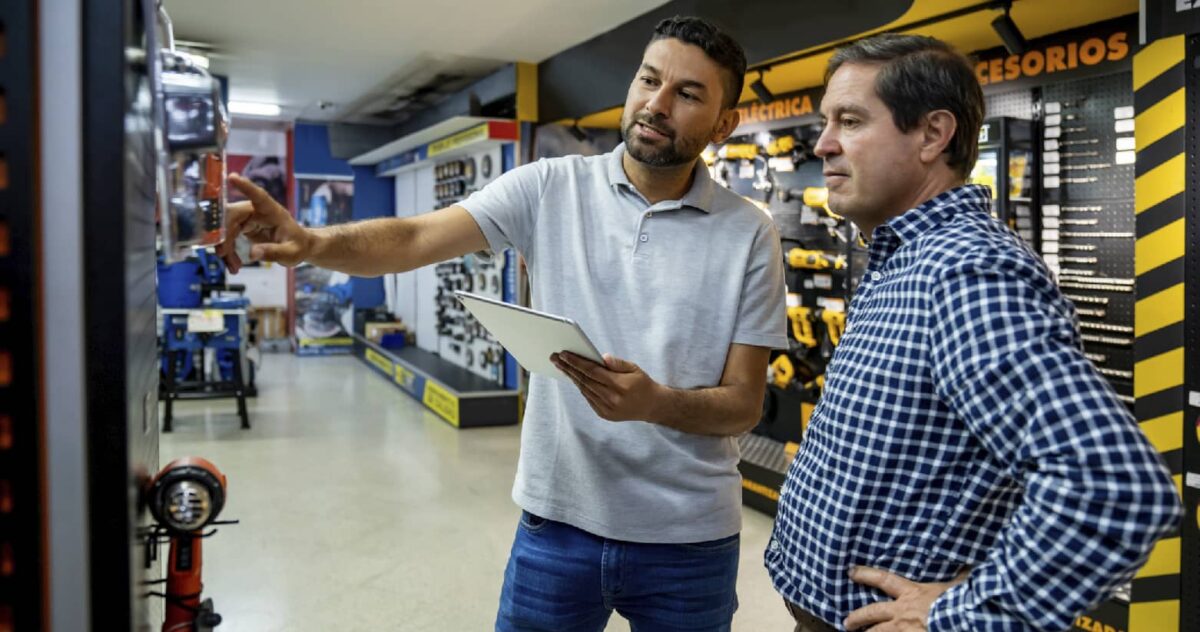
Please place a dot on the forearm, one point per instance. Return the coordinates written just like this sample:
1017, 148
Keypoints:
368, 248
722, 411
1095, 500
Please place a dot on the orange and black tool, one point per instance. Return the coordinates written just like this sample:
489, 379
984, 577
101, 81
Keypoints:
185, 497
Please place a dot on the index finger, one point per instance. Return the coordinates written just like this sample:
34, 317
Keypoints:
889, 583
252, 191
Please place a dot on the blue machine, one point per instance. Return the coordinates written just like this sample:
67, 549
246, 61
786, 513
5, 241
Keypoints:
199, 282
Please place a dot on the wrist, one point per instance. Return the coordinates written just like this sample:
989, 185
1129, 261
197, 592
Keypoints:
313, 243
659, 404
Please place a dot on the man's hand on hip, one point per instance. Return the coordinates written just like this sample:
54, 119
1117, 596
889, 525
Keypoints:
909, 609
271, 228
617, 390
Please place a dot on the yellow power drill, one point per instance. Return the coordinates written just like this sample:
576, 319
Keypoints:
802, 259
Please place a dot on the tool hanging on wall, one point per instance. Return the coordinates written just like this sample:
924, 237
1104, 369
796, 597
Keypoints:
1108, 340
1116, 329
1075, 285
802, 326
1095, 300
782, 371
803, 259
1091, 313
835, 326
1117, 373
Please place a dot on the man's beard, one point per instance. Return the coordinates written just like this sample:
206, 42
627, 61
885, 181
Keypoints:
677, 151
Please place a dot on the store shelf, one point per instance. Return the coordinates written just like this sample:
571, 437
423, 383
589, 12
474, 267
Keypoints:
461, 398
459, 136
417, 139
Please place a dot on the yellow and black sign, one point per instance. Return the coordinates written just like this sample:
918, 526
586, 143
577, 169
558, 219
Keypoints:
440, 401
461, 139
1060, 57
791, 108
380, 362
1160, 207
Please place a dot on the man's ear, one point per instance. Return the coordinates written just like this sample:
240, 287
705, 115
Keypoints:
726, 124
936, 134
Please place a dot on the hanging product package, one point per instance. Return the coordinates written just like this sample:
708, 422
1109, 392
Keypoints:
195, 130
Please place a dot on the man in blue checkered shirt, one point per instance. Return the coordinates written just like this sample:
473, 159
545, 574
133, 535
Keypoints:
967, 468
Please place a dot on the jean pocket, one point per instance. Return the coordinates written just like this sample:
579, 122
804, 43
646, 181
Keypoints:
714, 546
532, 523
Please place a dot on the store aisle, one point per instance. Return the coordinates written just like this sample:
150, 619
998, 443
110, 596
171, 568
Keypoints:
361, 510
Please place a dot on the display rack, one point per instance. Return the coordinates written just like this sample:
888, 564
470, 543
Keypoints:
461, 398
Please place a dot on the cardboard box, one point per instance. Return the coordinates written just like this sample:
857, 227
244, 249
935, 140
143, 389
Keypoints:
375, 331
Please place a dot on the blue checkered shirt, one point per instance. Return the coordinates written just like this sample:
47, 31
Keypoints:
961, 426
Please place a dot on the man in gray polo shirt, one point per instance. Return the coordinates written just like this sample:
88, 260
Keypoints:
628, 480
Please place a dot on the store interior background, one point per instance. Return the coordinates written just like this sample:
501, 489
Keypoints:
371, 467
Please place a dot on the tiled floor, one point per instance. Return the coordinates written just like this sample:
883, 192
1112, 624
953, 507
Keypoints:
361, 510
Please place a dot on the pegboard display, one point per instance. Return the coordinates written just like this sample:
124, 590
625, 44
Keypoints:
1015, 104
461, 339
21, 436
823, 257
1087, 213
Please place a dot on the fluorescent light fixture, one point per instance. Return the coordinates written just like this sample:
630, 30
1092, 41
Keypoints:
254, 109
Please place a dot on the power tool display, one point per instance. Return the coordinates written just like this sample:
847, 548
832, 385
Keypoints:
461, 339
823, 258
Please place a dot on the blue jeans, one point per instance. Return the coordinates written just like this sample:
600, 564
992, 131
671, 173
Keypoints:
563, 579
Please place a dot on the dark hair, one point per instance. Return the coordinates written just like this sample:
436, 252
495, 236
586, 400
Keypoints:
918, 75
715, 43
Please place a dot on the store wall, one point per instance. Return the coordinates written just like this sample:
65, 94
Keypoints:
313, 156
404, 296
266, 285
373, 197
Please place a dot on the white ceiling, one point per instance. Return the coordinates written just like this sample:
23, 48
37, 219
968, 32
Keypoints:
298, 52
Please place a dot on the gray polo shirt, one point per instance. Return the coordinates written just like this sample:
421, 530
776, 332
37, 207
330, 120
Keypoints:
668, 286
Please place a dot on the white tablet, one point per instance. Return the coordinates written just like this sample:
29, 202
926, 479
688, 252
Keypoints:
529, 335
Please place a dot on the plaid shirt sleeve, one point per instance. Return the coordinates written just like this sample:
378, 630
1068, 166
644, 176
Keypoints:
1096, 496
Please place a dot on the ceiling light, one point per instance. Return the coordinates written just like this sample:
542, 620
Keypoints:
1004, 26
760, 88
254, 109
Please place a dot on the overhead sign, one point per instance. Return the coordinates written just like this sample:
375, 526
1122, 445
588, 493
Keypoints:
1164, 18
1060, 57
461, 139
794, 108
